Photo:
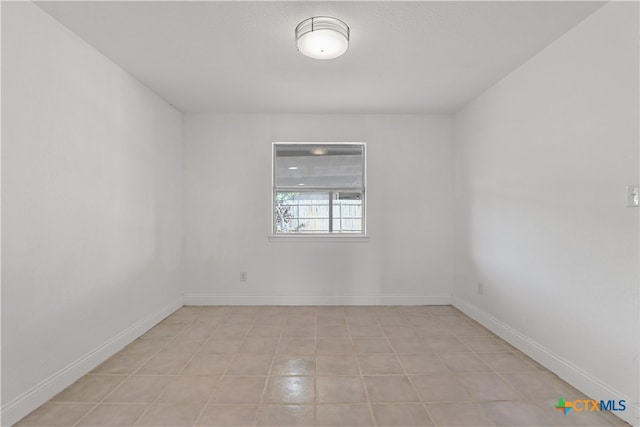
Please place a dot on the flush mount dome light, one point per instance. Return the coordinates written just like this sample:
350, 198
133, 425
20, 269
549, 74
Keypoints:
322, 37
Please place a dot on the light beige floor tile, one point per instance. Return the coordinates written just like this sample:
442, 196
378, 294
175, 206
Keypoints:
250, 364
464, 363
483, 344
277, 319
339, 389
189, 389
265, 331
393, 320
122, 363
113, 415
418, 320
56, 414
221, 346
390, 389
171, 415
365, 330
514, 413
466, 329
488, 387
363, 320
344, 364
539, 385
182, 344
289, 390
423, 363
139, 389
293, 365
334, 346
506, 362
410, 345
286, 415
454, 321
300, 331
197, 330
372, 345
231, 331
379, 364
434, 329
228, 416
165, 364
446, 344
90, 388
330, 320
347, 415
239, 389
207, 364
440, 388
259, 345
238, 323
332, 331
405, 415
211, 324
455, 414
297, 346
400, 332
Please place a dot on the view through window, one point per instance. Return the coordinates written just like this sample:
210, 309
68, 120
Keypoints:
319, 188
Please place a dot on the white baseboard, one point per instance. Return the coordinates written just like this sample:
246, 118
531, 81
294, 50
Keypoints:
570, 373
207, 299
24, 404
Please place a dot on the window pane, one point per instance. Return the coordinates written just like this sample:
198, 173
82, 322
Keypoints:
297, 212
347, 212
319, 166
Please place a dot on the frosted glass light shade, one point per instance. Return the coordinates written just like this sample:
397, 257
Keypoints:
322, 37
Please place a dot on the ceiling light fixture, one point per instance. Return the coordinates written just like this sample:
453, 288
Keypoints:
319, 151
292, 168
322, 37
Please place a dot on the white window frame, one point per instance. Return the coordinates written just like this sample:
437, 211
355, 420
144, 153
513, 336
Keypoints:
318, 237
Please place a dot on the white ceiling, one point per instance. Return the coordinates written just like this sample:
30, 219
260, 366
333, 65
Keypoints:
418, 56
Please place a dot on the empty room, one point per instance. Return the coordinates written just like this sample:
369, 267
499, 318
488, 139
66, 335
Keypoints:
318, 213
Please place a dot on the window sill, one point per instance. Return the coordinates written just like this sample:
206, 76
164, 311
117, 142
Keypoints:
318, 238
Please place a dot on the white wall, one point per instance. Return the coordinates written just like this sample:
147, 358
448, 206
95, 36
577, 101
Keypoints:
542, 161
228, 212
91, 183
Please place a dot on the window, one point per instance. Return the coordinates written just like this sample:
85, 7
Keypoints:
318, 188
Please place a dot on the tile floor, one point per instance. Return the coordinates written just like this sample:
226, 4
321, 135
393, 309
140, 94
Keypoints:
316, 366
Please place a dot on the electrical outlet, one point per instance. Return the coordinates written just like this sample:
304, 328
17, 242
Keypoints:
243, 276
480, 288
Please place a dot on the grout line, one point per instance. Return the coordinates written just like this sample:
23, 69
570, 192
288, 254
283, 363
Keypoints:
364, 384
415, 389
196, 353
151, 356
146, 411
268, 379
